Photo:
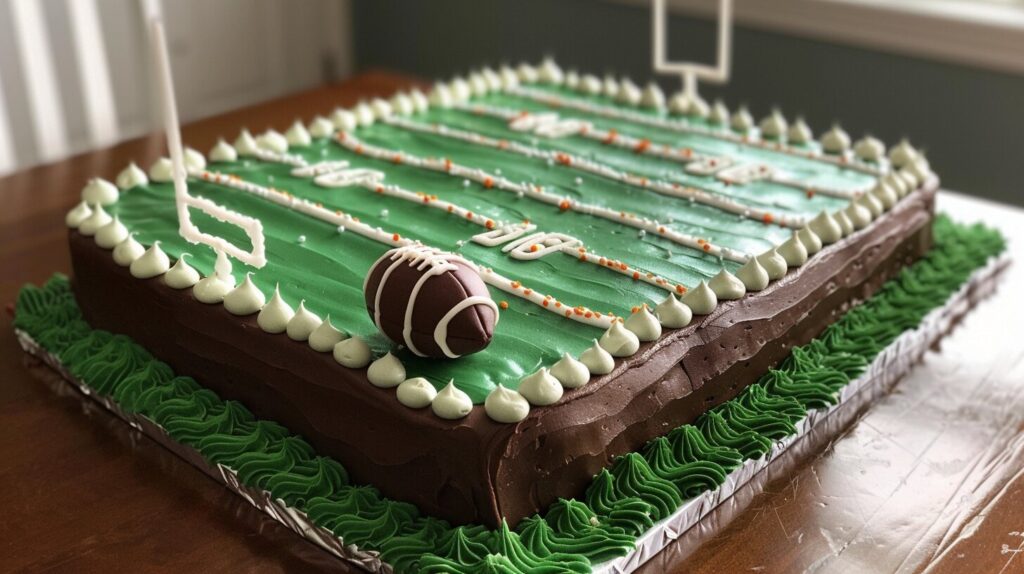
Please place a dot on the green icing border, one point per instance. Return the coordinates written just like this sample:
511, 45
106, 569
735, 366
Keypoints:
621, 503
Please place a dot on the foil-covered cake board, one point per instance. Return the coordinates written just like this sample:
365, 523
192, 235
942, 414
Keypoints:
888, 367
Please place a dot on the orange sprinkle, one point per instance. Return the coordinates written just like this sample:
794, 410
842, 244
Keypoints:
469, 215
447, 164
380, 189
583, 258
564, 205
612, 135
707, 247
489, 224
642, 146
488, 182
588, 314
568, 313
516, 284
359, 149
768, 218
544, 302
680, 289
623, 266
661, 229
635, 309
502, 144
397, 159
342, 136
558, 304
563, 159
503, 304
451, 208
636, 275
810, 193
527, 291
396, 237
534, 248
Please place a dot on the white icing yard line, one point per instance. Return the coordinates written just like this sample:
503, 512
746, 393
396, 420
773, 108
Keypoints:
587, 166
683, 155
537, 193
557, 101
348, 222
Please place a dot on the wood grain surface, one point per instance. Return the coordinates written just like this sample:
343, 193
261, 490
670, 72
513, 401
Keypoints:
931, 478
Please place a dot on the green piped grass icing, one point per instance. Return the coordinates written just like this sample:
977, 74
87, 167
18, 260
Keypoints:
622, 502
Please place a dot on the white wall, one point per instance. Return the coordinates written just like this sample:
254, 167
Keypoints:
225, 54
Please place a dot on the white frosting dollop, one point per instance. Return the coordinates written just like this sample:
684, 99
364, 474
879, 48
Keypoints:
193, 159
344, 120
885, 195
753, 275
793, 251
570, 372
872, 204
97, 219
386, 372
441, 96
460, 89
902, 155
245, 144
402, 104
741, 120
111, 234
897, 183
353, 353
719, 114
506, 406
540, 388
325, 337
214, 288
826, 228
381, 108
549, 72
527, 73
597, 360
420, 102
127, 251
652, 97
643, 324
726, 286
672, 313
774, 126
835, 141
844, 222
451, 403
572, 80
244, 299
679, 104
181, 275
297, 135
859, 215
699, 108
920, 169
416, 393
162, 170
223, 152
154, 262
131, 176
591, 85
869, 149
77, 215
799, 133
303, 323
272, 140
274, 316
321, 127
629, 93
701, 300
509, 78
100, 191
619, 341
773, 263
810, 240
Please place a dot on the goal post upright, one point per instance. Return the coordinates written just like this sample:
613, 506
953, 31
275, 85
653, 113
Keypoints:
690, 72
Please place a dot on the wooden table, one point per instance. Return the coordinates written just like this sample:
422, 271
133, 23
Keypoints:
929, 479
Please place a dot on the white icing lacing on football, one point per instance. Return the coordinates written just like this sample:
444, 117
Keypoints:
441, 330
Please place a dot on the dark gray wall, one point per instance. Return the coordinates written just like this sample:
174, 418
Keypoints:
970, 121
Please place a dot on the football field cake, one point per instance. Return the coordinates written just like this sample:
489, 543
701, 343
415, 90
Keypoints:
517, 323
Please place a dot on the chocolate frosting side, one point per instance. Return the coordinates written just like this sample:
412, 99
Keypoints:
476, 470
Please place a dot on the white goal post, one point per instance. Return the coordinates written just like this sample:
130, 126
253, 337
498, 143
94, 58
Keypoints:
690, 71
182, 199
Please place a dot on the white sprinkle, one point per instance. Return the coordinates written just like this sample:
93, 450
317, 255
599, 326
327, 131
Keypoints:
497, 171
465, 183
519, 194
341, 229
641, 234
302, 239
551, 162
579, 181
384, 213
460, 243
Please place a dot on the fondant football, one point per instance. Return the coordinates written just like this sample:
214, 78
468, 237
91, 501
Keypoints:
431, 301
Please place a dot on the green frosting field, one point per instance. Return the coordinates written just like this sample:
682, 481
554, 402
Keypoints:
621, 503
327, 268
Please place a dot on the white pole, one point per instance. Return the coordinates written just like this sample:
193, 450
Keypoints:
691, 71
